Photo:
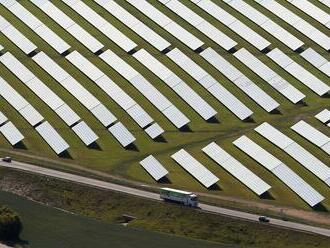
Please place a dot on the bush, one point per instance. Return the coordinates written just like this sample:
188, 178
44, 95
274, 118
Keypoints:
10, 224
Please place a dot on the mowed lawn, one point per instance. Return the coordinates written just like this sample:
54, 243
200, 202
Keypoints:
113, 159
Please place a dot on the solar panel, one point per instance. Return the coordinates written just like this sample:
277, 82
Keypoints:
323, 116
154, 167
67, 115
210, 84
269, 76
3, 118
134, 24
201, 24
236, 169
266, 23
283, 172
109, 87
17, 37
241, 81
103, 115
85, 133
147, 89
51, 136
31, 115
234, 24
195, 168
297, 22
154, 130
166, 23
298, 185
102, 25
69, 25
312, 10
312, 134
120, 132
182, 89
316, 60
298, 72
38, 27
293, 149
11, 133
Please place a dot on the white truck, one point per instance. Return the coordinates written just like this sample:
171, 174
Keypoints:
179, 196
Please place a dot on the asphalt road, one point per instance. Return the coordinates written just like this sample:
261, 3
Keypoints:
146, 194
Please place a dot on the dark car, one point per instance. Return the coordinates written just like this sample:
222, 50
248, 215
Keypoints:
6, 159
263, 219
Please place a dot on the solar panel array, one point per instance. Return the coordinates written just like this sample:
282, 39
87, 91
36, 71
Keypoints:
279, 169
136, 66
313, 135
235, 168
195, 168
154, 167
296, 151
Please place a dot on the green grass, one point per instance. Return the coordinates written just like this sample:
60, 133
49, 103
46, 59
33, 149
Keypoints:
115, 160
77, 231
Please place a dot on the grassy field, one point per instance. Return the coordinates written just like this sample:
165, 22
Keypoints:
108, 207
115, 160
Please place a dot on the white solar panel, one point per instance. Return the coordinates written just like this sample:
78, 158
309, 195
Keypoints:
145, 88
85, 133
31, 115
283, 172
241, 81
154, 130
312, 10
234, 24
38, 27
169, 25
312, 134
120, 132
296, 151
18, 38
51, 136
3, 118
236, 169
103, 115
102, 25
267, 24
298, 72
208, 82
67, 114
195, 168
317, 60
182, 89
269, 76
297, 22
323, 116
201, 24
69, 25
134, 24
154, 167
11, 133
257, 153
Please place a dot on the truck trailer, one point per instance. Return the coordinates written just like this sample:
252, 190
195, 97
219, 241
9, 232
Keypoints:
179, 196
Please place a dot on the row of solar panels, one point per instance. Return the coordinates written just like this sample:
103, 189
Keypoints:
259, 154
318, 86
188, 15
155, 130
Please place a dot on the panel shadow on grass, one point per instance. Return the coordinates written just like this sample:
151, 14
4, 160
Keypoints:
95, 146
320, 208
20, 145
267, 195
160, 139
132, 147
65, 154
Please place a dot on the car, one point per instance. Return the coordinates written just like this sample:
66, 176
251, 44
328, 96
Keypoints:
6, 159
263, 219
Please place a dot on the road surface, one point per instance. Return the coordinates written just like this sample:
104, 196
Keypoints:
146, 194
